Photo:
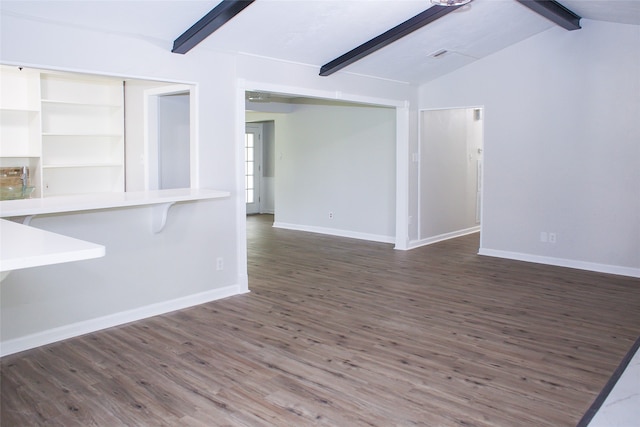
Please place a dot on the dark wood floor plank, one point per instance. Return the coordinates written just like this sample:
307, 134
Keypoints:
341, 332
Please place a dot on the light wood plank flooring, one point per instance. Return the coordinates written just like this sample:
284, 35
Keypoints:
341, 332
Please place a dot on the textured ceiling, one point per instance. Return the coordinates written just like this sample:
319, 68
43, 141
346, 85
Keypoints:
317, 31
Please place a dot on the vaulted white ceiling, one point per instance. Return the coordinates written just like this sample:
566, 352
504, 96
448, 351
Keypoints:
315, 32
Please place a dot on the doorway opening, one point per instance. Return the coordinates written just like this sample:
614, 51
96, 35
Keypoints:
264, 101
170, 137
451, 144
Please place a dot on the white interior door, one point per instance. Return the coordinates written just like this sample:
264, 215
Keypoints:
252, 166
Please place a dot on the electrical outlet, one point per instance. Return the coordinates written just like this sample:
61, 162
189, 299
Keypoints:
220, 263
552, 237
330, 215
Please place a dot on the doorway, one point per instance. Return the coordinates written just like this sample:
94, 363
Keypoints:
170, 137
276, 105
451, 143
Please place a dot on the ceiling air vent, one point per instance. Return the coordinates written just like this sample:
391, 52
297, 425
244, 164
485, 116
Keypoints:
438, 53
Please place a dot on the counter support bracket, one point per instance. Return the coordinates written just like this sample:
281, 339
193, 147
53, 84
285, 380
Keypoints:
159, 215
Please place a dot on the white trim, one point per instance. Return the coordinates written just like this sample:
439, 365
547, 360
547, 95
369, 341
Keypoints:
403, 164
150, 140
243, 283
479, 106
562, 262
335, 232
241, 206
80, 328
247, 85
445, 236
96, 73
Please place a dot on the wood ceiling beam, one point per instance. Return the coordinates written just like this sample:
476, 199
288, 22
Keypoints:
216, 18
384, 39
555, 12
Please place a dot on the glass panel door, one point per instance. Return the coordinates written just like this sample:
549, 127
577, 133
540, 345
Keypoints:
252, 167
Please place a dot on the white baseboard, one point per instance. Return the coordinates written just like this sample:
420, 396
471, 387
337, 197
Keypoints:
561, 262
446, 236
336, 232
73, 330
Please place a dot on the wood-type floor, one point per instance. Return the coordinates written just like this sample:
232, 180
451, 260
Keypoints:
342, 332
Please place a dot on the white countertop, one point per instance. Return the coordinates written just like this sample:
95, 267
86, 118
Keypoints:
22, 246
58, 204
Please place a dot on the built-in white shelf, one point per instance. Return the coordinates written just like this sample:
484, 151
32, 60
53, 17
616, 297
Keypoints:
62, 121
82, 134
24, 247
80, 103
83, 165
106, 135
21, 110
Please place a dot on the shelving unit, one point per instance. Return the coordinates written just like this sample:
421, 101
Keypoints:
20, 130
82, 134
68, 129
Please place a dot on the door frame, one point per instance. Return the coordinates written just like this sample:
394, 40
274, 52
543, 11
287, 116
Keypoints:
151, 140
403, 132
479, 114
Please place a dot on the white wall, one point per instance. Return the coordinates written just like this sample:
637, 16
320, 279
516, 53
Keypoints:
335, 158
561, 145
142, 273
339, 159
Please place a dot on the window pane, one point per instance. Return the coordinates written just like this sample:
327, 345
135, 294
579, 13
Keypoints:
249, 166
